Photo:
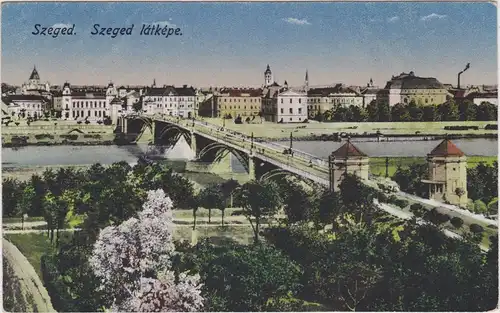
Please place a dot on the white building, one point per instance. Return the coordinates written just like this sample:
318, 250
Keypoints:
89, 105
480, 97
291, 107
25, 106
170, 100
34, 86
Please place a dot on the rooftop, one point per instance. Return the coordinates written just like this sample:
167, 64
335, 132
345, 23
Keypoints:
446, 148
348, 150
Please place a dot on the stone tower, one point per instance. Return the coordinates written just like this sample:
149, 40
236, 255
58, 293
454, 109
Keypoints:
447, 174
268, 77
349, 159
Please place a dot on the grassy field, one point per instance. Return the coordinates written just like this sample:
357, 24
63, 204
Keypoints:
274, 130
32, 246
377, 165
9, 220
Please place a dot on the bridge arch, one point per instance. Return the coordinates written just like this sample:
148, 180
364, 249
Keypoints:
281, 172
147, 121
180, 132
217, 145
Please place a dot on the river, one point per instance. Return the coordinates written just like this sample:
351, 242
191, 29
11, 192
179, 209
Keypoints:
30, 156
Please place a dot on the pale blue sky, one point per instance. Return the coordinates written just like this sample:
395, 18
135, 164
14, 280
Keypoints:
231, 43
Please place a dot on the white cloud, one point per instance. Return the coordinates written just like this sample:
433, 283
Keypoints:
165, 23
432, 16
393, 19
61, 25
296, 21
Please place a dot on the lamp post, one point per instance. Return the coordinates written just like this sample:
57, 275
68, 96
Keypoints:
386, 167
331, 172
251, 145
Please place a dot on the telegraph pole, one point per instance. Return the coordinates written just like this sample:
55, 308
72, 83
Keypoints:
331, 172
251, 146
386, 167
291, 141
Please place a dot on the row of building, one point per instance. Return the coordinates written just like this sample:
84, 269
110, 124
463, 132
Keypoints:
273, 102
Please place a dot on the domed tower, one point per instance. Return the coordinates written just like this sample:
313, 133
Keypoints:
268, 77
447, 174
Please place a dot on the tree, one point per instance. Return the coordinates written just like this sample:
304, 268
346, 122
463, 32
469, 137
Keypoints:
384, 112
228, 188
448, 111
415, 112
467, 111
25, 202
133, 261
11, 193
429, 113
137, 106
296, 202
475, 228
457, 222
399, 113
487, 112
260, 199
372, 111
240, 278
480, 207
212, 198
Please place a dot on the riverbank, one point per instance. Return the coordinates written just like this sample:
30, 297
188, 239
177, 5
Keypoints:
313, 129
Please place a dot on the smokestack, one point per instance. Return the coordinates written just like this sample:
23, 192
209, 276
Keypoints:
465, 69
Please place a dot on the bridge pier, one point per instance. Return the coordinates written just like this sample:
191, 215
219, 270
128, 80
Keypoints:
251, 167
194, 147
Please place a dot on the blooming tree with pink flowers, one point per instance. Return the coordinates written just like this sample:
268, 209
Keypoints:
133, 261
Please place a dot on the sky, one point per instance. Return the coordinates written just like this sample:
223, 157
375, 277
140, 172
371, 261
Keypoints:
230, 44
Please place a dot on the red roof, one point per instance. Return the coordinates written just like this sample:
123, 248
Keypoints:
446, 148
348, 150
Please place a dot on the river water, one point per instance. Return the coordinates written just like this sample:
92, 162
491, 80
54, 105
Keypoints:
81, 155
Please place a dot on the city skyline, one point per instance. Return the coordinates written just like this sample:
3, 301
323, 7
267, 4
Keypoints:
336, 42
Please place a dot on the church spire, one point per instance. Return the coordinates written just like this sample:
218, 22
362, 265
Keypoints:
154, 82
306, 82
34, 74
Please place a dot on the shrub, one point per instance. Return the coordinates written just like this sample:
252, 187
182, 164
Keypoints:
457, 222
382, 197
475, 228
70, 137
44, 136
416, 207
79, 122
491, 127
87, 122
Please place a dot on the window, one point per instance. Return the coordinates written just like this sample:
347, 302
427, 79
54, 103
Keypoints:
291, 110
281, 100
290, 100
290, 119
300, 110
281, 110
300, 100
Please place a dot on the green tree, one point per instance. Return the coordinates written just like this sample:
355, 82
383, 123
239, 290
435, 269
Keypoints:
415, 112
467, 111
24, 205
372, 111
260, 199
429, 113
210, 198
11, 193
384, 112
242, 278
487, 112
399, 113
448, 111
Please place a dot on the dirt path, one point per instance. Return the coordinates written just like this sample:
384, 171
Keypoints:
29, 280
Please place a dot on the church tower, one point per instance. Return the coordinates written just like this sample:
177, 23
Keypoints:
306, 81
447, 174
34, 77
268, 77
